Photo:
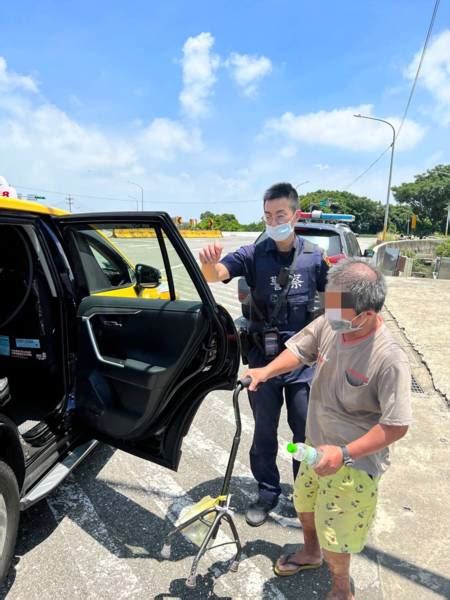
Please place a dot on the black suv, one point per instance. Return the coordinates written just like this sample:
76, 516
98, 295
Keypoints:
337, 241
89, 351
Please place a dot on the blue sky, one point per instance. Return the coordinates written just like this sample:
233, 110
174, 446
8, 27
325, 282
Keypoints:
206, 104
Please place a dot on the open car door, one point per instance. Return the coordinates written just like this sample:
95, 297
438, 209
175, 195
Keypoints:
152, 342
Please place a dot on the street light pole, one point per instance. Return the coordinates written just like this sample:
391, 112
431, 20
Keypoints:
142, 192
386, 212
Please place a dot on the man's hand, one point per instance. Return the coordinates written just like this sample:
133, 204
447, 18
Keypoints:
331, 461
210, 255
258, 376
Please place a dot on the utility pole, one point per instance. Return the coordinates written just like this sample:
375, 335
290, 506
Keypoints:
142, 192
70, 202
386, 212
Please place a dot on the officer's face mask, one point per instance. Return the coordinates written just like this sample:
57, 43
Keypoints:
280, 232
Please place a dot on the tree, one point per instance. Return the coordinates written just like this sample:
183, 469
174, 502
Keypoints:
428, 197
368, 213
223, 222
399, 217
259, 226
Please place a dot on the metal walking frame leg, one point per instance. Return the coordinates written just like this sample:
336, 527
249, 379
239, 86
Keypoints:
235, 562
222, 509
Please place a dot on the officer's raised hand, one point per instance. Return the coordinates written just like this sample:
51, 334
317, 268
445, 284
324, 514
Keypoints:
212, 269
210, 254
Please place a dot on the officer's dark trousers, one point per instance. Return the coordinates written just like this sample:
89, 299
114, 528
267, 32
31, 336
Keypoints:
266, 404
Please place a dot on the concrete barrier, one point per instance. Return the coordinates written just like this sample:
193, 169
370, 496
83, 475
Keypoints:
425, 247
443, 268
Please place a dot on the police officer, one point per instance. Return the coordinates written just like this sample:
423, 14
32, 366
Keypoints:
283, 272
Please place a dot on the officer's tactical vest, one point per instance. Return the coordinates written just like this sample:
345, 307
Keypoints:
265, 290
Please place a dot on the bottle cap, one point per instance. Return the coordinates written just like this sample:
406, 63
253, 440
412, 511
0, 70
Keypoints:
291, 448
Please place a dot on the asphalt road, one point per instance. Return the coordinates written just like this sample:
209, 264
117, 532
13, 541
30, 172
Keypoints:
99, 535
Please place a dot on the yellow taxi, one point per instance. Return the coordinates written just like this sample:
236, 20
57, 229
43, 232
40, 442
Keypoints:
108, 332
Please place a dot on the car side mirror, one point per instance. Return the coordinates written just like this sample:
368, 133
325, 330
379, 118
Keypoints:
369, 252
147, 277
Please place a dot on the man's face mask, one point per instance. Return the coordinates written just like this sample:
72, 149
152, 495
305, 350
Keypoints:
338, 323
338, 306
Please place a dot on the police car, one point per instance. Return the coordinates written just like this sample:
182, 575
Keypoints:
329, 231
108, 331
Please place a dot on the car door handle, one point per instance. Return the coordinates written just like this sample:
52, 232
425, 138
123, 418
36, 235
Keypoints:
111, 323
100, 358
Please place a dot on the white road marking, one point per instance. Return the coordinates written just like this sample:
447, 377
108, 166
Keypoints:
202, 446
163, 489
96, 554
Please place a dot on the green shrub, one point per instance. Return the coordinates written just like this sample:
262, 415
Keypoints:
419, 266
443, 249
409, 253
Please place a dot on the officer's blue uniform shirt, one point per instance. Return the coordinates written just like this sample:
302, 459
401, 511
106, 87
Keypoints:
260, 264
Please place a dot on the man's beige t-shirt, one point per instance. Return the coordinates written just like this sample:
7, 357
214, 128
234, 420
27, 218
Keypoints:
356, 385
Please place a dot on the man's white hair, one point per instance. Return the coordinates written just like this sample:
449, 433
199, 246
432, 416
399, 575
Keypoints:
366, 284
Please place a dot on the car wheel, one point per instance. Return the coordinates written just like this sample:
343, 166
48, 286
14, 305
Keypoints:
9, 517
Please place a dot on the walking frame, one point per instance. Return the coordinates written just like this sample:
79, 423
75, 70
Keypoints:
221, 510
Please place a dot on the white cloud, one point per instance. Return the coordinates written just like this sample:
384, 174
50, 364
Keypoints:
435, 73
339, 128
321, 167
289, 151
10, 81
164, 138
248, 70
44, 147
199, 67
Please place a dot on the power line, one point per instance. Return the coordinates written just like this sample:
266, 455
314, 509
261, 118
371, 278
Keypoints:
419, 66
117, 199
411, 94
65, 194
372, 164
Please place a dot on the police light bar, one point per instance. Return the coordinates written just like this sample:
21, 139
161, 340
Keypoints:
321, 216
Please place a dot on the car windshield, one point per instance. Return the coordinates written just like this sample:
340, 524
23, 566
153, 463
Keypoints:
327, 240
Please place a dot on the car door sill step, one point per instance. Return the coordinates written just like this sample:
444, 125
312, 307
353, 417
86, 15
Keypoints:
57, 474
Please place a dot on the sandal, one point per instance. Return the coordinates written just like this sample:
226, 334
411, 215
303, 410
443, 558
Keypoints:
287, 560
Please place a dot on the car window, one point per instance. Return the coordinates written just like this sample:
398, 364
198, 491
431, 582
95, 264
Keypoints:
109, 255
116, 270
353, 245
327, 240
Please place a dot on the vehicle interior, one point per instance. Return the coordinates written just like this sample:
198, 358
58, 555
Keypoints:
30, 331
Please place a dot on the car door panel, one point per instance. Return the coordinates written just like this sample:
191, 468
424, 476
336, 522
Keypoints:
145, 365
144, 346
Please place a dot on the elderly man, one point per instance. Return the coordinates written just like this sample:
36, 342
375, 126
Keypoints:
359, 405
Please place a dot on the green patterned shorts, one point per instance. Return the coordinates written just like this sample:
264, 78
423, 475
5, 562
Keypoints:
343, 505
